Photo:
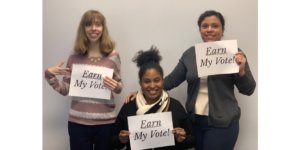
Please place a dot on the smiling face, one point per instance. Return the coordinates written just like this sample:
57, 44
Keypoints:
152, 85
94, 31
211, 29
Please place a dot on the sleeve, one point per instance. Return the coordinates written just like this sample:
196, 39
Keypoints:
186, 124
177, 76
117, 67
61, 86
120, 124
246, 83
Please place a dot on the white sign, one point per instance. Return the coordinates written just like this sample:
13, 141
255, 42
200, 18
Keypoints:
151, 130
216, 57
87, 81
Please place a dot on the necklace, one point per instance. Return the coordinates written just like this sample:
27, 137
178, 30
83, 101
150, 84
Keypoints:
95, 59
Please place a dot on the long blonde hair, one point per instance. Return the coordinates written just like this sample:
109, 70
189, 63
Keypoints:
82, 43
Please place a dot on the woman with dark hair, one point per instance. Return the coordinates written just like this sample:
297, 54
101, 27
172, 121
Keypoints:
211, 102
153, 99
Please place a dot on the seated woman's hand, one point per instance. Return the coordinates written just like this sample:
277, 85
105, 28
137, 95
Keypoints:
124, 136
180, 134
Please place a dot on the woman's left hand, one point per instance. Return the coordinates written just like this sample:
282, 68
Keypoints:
112, 84
241, 61
180, 134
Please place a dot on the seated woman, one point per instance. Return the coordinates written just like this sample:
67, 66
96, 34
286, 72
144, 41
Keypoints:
151, 99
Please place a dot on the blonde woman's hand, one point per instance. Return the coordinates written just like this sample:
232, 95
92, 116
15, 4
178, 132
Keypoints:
112, 84
59, 70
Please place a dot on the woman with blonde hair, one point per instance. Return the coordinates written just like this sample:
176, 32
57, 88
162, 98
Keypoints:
90, 119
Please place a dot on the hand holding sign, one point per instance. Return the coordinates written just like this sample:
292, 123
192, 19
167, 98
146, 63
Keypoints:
179, 134
112, 84
124, 136
241, 61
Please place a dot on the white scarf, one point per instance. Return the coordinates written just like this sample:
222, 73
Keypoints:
142, 104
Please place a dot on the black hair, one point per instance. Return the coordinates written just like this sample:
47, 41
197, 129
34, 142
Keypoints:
148, 60
209, 13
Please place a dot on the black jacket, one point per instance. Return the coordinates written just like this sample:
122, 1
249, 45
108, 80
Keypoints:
179, 117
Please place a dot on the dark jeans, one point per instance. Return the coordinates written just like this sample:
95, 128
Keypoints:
86, 137
212, 138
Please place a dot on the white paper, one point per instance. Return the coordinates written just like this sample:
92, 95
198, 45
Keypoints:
87, 81
151, 130
216, 57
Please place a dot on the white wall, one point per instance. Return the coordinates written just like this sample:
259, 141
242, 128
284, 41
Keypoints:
171, 25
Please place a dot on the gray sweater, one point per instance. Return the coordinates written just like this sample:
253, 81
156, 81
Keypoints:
223, 106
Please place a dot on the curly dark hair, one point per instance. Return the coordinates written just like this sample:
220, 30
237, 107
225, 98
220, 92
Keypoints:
148, 60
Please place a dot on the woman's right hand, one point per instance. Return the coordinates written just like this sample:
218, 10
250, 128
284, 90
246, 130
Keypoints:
124, 136
58, 70
130, 97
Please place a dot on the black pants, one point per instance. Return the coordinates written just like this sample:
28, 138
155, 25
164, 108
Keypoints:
212, 138
85, 137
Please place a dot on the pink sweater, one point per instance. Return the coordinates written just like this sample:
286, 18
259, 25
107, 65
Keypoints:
89, 111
